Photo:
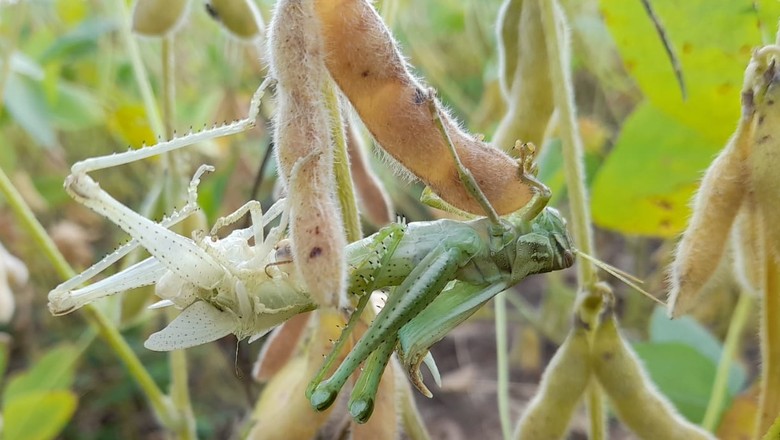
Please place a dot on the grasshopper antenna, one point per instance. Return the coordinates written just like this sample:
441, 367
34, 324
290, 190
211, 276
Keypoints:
627, 278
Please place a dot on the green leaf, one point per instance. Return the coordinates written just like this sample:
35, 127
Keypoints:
646, 183
74, 108
40, 415
681, 373
80, 40
688, 331
25, 101
54, 371
713, 41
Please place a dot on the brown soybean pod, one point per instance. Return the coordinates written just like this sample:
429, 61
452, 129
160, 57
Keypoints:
714, 209
363, 59
632, 395
563, 383
283, 412
304, 150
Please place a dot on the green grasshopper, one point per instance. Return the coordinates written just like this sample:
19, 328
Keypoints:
482, 257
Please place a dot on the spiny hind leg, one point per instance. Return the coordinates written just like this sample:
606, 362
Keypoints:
468, 180
365, 262
363, 397
116, 159
421, 287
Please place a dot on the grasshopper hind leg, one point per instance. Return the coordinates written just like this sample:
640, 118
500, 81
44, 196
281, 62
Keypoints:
361, 401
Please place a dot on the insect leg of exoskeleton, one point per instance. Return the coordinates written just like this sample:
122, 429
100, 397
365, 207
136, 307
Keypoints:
542, 192
63, 298
361, 401
143, 273
98, 163
416, 292
445, 313
396, 232
181, 255
471, 185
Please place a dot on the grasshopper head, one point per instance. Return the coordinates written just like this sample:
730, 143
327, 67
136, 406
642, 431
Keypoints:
552, 223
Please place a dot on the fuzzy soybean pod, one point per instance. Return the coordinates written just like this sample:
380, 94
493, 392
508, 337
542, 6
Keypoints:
508, 38
363, 59
529, 93
240, 17
563, 383
631, 393
304, 150
764, 157
282, 411
158, 18
714, 208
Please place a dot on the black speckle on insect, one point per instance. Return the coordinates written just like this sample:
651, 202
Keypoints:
315, 252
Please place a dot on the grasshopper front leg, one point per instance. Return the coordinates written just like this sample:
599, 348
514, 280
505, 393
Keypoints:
416, 292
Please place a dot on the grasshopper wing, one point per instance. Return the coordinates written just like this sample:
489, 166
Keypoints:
198, 324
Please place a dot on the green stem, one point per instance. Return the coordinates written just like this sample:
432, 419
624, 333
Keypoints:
590, 298
595, 404
179, 374
502, 360
169, 85
346, 191
730, 347
414, 428
554, 23
139, 71
96, 318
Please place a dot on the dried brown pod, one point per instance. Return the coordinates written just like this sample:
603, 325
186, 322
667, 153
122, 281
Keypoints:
714, 208
363, 59
304, 150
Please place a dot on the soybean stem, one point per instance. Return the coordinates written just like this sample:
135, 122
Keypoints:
96, 318
346, 191
502, 359
179, 373
590, 301
572, 148
730, 347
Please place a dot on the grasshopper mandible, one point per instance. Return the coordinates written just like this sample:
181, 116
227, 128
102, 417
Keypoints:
483, 257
